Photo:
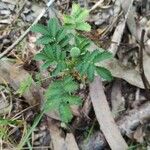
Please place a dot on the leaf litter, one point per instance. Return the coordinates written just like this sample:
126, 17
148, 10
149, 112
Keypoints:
107, 18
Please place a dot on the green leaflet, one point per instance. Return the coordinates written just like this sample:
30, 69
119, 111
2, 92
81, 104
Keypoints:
77, 19
60, 93
68, 19
46, 64
61, 34
104, 73
102, 56
82, 43
44, 40
87, 66
52, 34
40, 56
83, 26
53, 26
91, 72
65, 113
39, 28
24, 85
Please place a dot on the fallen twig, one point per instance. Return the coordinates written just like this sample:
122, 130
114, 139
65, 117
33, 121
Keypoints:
117, 36
96, 5
10, 48
131, 23
104, 116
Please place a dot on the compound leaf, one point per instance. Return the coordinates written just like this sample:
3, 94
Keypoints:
102, 56
40, 56
72, 100
70, 87
90, 72
53, 26
104, 73
39, 28
46, 64
77, 19
65, 113
83, 26
83, 15
44, 40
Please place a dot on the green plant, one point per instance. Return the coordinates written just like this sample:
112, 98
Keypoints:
24, 86
4, 123
67, 53
60, 95
77, 19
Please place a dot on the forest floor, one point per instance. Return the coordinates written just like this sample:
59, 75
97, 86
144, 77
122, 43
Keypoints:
120, 27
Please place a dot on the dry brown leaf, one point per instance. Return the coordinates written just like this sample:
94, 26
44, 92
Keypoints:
58, 142
104, 116
139, 135
117, 100
132, 76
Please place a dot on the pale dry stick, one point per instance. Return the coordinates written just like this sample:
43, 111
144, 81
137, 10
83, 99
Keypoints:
71, 142
117, 36
10, 48
21, 112
104, 116
96, 5
131, 23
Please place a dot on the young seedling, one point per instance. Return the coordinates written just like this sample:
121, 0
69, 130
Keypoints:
67, 52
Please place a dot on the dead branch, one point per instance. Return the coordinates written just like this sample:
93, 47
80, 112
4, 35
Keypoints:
96, 5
